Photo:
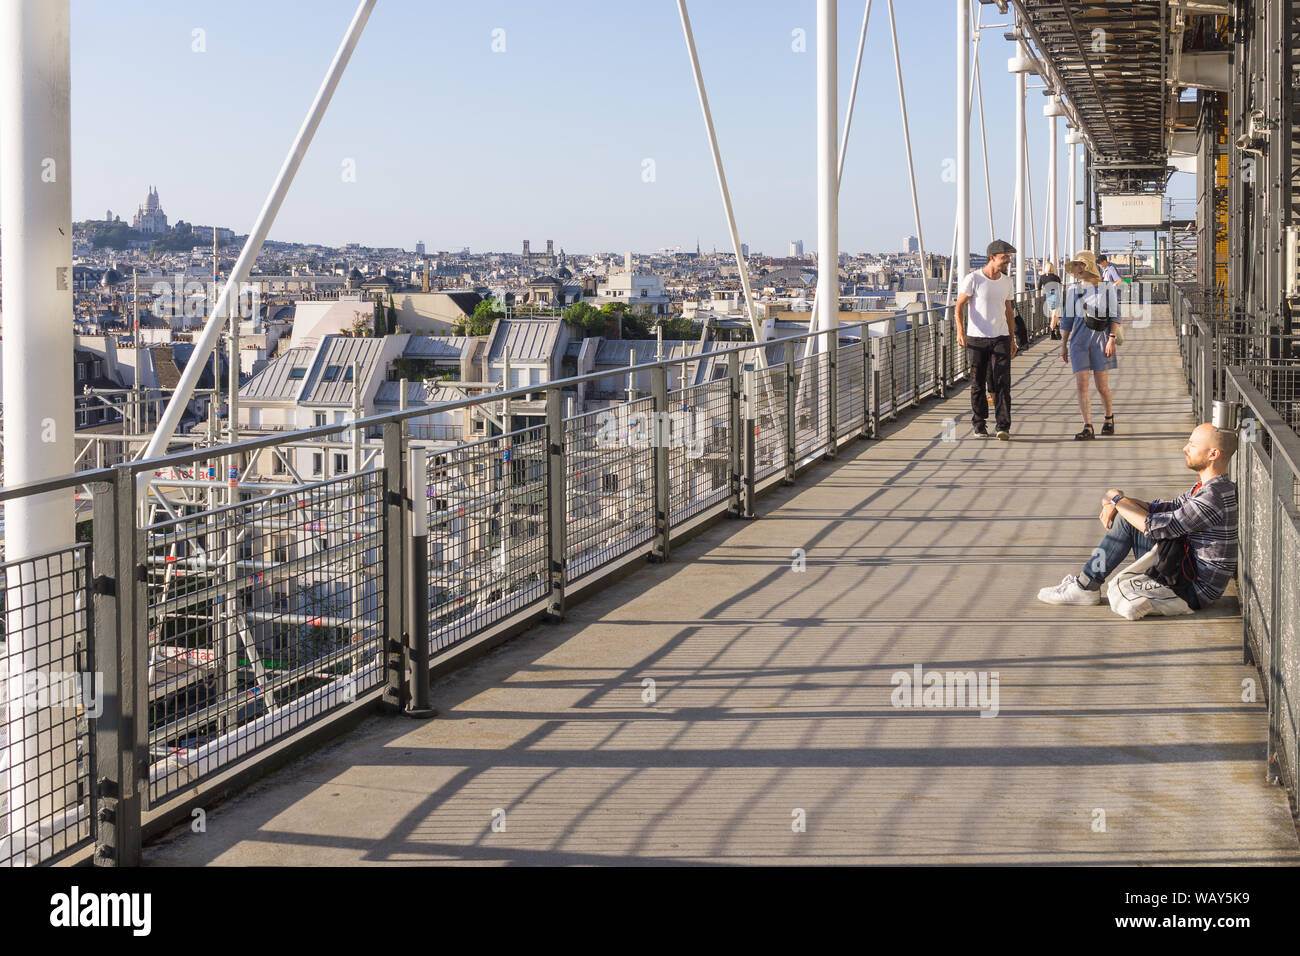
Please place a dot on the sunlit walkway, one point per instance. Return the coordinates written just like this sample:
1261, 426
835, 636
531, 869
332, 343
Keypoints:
1114, 742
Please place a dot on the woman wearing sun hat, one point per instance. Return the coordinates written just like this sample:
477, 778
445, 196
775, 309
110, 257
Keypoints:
1089, 325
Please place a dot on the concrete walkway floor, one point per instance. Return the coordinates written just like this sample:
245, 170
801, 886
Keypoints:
771, 737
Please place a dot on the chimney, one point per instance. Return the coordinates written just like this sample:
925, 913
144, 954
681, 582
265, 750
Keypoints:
627, 262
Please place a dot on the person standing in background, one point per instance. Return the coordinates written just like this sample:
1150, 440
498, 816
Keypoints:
985, 328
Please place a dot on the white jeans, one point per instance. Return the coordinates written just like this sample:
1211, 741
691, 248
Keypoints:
1133, 594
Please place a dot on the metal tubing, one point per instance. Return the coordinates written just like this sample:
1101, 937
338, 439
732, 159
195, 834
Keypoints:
121, 762
417, 585
261, 226
828, 225
789, 418
963, 137
556, 511
662, 477
397, 688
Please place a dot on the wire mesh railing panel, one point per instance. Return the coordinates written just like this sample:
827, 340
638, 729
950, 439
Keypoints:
263, 615
1288, 643
49, 694
699, 439
488, 550
610, 494
812, 404
851, 364
902, 344
770, 425
883, 369
924, 342
1257, 599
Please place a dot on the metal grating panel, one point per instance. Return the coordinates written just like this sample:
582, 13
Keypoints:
1289, 646
610, 494
47, 698
1260, 587
487, 533
699, 448
851, 366
263, 616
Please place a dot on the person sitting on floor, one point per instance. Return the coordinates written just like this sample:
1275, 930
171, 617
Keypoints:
1186, 547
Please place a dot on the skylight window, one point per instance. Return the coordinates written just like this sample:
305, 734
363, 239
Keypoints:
297, 373
331, 373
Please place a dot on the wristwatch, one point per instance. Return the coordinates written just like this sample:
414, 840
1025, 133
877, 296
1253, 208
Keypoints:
1115, 501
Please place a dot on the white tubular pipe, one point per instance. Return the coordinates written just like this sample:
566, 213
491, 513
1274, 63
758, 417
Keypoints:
984, 140
963, 139
911, 172
239, 274
828, 222
36, 221
853, 96
1053, 196
722, 176
1019, 240
1071, 223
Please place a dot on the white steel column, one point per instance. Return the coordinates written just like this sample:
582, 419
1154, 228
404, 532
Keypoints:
1053, 195
722, 176
911, 173
1071, 220
36, 221
963, 140
1019, 240
248, 255
828, 223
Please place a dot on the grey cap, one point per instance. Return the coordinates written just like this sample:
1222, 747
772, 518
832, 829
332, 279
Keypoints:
998, 246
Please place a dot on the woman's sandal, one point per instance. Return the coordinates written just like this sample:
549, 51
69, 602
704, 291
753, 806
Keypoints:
1108, 426
1085, 434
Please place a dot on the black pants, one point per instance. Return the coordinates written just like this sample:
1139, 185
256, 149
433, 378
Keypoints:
990, 370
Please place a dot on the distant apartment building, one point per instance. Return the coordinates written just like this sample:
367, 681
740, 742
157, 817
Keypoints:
796, 248
911, 244
644, 292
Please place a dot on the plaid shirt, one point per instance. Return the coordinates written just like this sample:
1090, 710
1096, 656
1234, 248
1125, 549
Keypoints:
1208, 517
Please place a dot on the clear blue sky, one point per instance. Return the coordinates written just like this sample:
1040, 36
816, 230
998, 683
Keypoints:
458, 145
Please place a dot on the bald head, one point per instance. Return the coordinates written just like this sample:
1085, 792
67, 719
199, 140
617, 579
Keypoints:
1210, 448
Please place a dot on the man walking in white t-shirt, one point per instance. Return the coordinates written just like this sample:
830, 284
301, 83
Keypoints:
985, 324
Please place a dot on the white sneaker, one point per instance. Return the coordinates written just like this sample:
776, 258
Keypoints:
1069, 592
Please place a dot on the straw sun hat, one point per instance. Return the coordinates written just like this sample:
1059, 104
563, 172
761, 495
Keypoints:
1084, 264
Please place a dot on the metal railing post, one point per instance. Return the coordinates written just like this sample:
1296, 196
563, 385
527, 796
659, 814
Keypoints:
893, 376
120, 648
868, 390
660, 431
556, 516
736, 504
1280, 507
1207, 384
397, 690
417, 585
749, 428
937, 384
914, 347
789, 415
832, 393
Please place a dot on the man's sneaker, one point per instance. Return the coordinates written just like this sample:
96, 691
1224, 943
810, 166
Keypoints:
981, 431
1069, 592
1004, 435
